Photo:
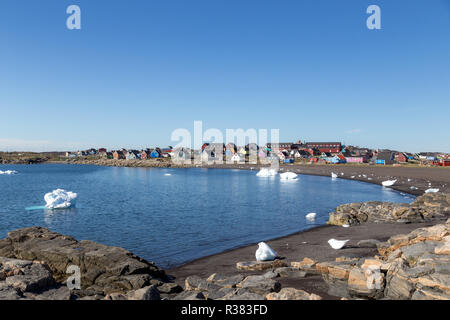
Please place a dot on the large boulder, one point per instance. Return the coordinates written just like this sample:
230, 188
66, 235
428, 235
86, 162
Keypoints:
32, 280
292, 294
107, 269
410, 266
424, 208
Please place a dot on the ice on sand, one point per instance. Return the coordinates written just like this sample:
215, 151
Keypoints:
265, 253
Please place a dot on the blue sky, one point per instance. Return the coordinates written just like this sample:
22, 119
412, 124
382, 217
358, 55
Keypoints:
137, 70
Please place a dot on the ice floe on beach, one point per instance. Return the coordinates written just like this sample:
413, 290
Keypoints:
388, 183
9, 172
432, 190
264, 252
288, 176
60, 199
264, 172
337, 244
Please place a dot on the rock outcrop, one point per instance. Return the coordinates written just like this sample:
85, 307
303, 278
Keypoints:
21, 279
241, 287
424, 208
414, 266
103, 269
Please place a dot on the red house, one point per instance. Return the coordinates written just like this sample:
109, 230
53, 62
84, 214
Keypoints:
332, 147
401, 157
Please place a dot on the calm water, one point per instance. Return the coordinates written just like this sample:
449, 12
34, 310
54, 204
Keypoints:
177, 218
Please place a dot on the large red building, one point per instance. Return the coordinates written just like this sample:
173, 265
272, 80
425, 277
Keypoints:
331, 147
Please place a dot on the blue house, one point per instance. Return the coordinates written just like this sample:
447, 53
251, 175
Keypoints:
337, 159
155, 154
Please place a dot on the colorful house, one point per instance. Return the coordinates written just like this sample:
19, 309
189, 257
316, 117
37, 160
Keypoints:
385, 157
155, 154
119, 154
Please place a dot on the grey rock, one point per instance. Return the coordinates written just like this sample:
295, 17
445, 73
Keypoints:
243, 295
111, 268
195, 283
190, 295
369, 243
260, 285
290, 272
170, 288
218, 294
147, 293
35, 278
225, 281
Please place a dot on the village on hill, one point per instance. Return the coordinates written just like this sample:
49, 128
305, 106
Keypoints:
285, 152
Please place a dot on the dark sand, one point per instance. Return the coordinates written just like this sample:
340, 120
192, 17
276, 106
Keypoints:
313, 243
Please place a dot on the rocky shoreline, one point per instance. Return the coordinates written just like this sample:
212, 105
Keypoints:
34, 263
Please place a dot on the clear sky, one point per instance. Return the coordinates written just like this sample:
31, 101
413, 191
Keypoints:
139, 69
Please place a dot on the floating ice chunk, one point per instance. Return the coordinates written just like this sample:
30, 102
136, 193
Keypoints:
288, 175
9, 172
337, 244
388, 183
431, 190
264, 172
311, 216
264, 252
167, 174
334, 175
60, 199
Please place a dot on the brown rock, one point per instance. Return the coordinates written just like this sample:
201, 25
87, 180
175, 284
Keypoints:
292, 294
260, 265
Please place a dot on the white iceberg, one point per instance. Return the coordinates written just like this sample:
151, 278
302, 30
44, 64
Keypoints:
9, 172
288, 176
265, 253
264, 172
337, 244
388, 183
311, 216
60, 199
